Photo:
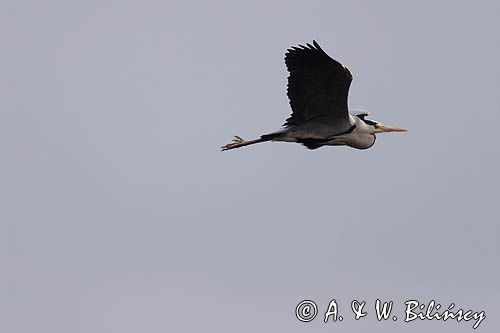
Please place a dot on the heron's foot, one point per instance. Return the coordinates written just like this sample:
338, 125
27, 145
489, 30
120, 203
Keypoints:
237, 142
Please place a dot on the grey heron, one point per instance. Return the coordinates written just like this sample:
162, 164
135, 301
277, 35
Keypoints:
318, 87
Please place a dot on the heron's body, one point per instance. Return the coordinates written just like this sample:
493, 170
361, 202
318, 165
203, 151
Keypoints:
318, 87
357, 136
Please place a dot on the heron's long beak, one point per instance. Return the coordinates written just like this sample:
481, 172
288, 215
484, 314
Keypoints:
384, 128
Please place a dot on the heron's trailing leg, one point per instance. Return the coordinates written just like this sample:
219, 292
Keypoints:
239, 142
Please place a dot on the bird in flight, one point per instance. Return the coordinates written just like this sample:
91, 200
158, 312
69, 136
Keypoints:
317, 89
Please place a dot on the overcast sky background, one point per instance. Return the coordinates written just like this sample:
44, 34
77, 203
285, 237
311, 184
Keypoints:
120, 214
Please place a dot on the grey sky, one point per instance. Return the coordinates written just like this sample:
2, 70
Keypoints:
119, 213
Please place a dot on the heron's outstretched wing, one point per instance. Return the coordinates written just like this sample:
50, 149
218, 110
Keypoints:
317, 87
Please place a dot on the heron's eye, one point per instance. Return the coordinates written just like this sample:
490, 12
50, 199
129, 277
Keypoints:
376, 125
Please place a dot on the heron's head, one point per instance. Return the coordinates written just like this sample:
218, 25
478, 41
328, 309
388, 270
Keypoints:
376, 127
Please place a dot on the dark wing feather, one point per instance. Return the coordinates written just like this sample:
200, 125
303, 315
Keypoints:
317, 87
